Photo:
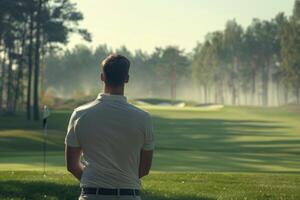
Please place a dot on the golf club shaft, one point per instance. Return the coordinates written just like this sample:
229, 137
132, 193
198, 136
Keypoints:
45, 146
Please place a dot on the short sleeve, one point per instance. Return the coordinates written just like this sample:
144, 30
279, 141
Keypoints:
148, 135
71, 137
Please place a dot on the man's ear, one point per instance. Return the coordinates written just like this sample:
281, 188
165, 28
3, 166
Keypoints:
102, 77
127, 79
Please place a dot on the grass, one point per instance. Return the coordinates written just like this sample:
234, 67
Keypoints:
159, 186
233, 153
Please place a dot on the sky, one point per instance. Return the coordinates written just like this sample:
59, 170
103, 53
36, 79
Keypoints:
146, 24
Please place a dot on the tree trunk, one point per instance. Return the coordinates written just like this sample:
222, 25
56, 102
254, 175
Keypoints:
20, 72
286, 96
42, 72
233, 80
233, 102
298, 94
18, 86
219, 96
2, 81
278, 93
265, 82
36, 111
205, 93
233, 92
9, 103
29, 80
173, 84
253, 85
246, 98
216, 93
201, 92
221, 93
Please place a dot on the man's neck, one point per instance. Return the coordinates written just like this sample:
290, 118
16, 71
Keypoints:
114, 90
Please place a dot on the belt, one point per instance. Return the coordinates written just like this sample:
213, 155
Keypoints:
109, 191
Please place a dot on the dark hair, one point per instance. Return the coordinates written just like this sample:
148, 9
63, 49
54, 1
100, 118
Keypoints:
115, 69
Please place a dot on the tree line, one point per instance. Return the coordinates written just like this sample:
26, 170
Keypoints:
249, 63
256, 65
77, 71
29, 29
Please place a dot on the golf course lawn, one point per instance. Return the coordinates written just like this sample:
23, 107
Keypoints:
232, 153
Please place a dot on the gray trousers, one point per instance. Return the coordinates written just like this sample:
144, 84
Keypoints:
108, 197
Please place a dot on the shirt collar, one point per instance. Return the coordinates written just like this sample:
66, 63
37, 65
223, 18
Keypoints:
111, 97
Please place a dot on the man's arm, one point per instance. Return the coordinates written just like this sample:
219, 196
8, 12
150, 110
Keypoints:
72, 157
145, 163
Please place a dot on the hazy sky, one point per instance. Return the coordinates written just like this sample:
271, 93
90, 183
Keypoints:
145, 24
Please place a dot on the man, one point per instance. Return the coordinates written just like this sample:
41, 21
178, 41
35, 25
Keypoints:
114, 137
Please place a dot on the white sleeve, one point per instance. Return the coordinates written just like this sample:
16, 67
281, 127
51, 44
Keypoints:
148, 135
71, 137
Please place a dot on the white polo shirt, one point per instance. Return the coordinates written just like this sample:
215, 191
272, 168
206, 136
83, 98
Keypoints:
111, 133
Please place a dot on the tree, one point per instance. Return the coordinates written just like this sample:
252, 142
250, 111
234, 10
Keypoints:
54, 22
280, 22
31, 28
142, 74
217, 64
290, 51
261, 44
203, 73
173, 62
231, 66
30, 57
38, 20
233, 36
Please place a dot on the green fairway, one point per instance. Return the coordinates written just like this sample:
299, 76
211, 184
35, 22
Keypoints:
232, 153
229, 140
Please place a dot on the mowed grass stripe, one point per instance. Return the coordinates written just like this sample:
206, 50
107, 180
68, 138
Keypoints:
231, 139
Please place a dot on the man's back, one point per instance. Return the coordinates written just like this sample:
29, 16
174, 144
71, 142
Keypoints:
111, 134
114, 137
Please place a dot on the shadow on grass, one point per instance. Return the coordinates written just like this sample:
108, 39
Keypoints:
225, 145
206, 144
57, 121
220, 135
38, 190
